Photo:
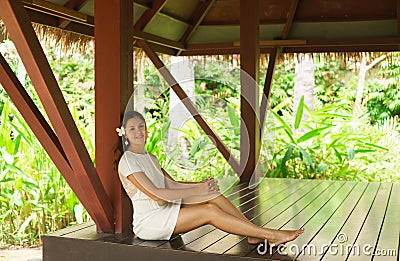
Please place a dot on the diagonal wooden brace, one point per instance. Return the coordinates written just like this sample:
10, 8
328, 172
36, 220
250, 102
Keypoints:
169, 78
38, 124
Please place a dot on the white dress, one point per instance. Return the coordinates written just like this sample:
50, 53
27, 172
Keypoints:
152, 220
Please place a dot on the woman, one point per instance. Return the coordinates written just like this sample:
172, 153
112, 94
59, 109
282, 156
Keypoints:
163, 207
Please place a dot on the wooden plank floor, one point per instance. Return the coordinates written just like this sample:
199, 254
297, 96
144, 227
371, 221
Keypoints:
342, 221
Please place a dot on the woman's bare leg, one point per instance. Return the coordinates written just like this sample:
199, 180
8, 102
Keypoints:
224, 204
227, 206
197, 215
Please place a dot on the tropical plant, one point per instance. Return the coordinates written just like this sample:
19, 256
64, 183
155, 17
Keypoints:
332, 145
34, 197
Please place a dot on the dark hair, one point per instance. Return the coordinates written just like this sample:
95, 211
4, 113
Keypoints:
121, 144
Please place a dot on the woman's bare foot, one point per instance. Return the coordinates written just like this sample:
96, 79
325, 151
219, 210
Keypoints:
278, 237
254, 240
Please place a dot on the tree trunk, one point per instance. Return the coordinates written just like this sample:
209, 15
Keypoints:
304, 82
183, 71
361, 80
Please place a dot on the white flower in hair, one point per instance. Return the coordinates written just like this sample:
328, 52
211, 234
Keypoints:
121, 131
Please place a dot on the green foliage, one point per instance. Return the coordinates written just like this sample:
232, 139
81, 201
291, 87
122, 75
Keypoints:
382, 98
282, 84
334, 145
34, 197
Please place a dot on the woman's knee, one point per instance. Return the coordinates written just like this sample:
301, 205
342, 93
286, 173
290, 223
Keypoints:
212, 210
217, 198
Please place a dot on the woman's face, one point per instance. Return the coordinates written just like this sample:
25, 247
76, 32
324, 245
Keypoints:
136, 132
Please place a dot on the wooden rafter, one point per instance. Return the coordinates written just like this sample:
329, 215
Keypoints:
272, 62
21, 32
137, 34
87, 28
39, 126
166, 15
316, 45
198, 17
75, 5
398, 17
169, 78
54, 10
289, 19
149, 14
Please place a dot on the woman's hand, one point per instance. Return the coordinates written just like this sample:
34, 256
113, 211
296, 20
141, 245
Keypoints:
206, 187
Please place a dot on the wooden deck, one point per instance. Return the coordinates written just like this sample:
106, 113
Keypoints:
342, 221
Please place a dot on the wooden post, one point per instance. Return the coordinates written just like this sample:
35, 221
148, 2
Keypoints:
249, 63
113, 87
27, 44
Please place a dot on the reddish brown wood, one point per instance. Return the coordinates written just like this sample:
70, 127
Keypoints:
73, 4
21, 32
267, 85
197, 18
398, 17
189, 105
39, 126
149, 14
289, 18
157, 40
170, 16
272, 62
114, 87
226, 12
317, 45
250, 108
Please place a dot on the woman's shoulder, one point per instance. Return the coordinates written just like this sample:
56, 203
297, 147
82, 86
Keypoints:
131, 156
129, 163
152, 155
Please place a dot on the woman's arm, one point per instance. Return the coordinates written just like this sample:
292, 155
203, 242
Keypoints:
143, 183
171, 183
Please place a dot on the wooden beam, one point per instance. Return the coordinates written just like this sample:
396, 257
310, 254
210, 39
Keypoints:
137, 34
114, 87
21, 32
289, 19
166, 15
272, 63
169, 78
398, 17
267, 86
274, 43
158, 48
197, 18
343, 49
39, 126
54, 9
298, 43
249, 64
75, 5
87, 28
149, 14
